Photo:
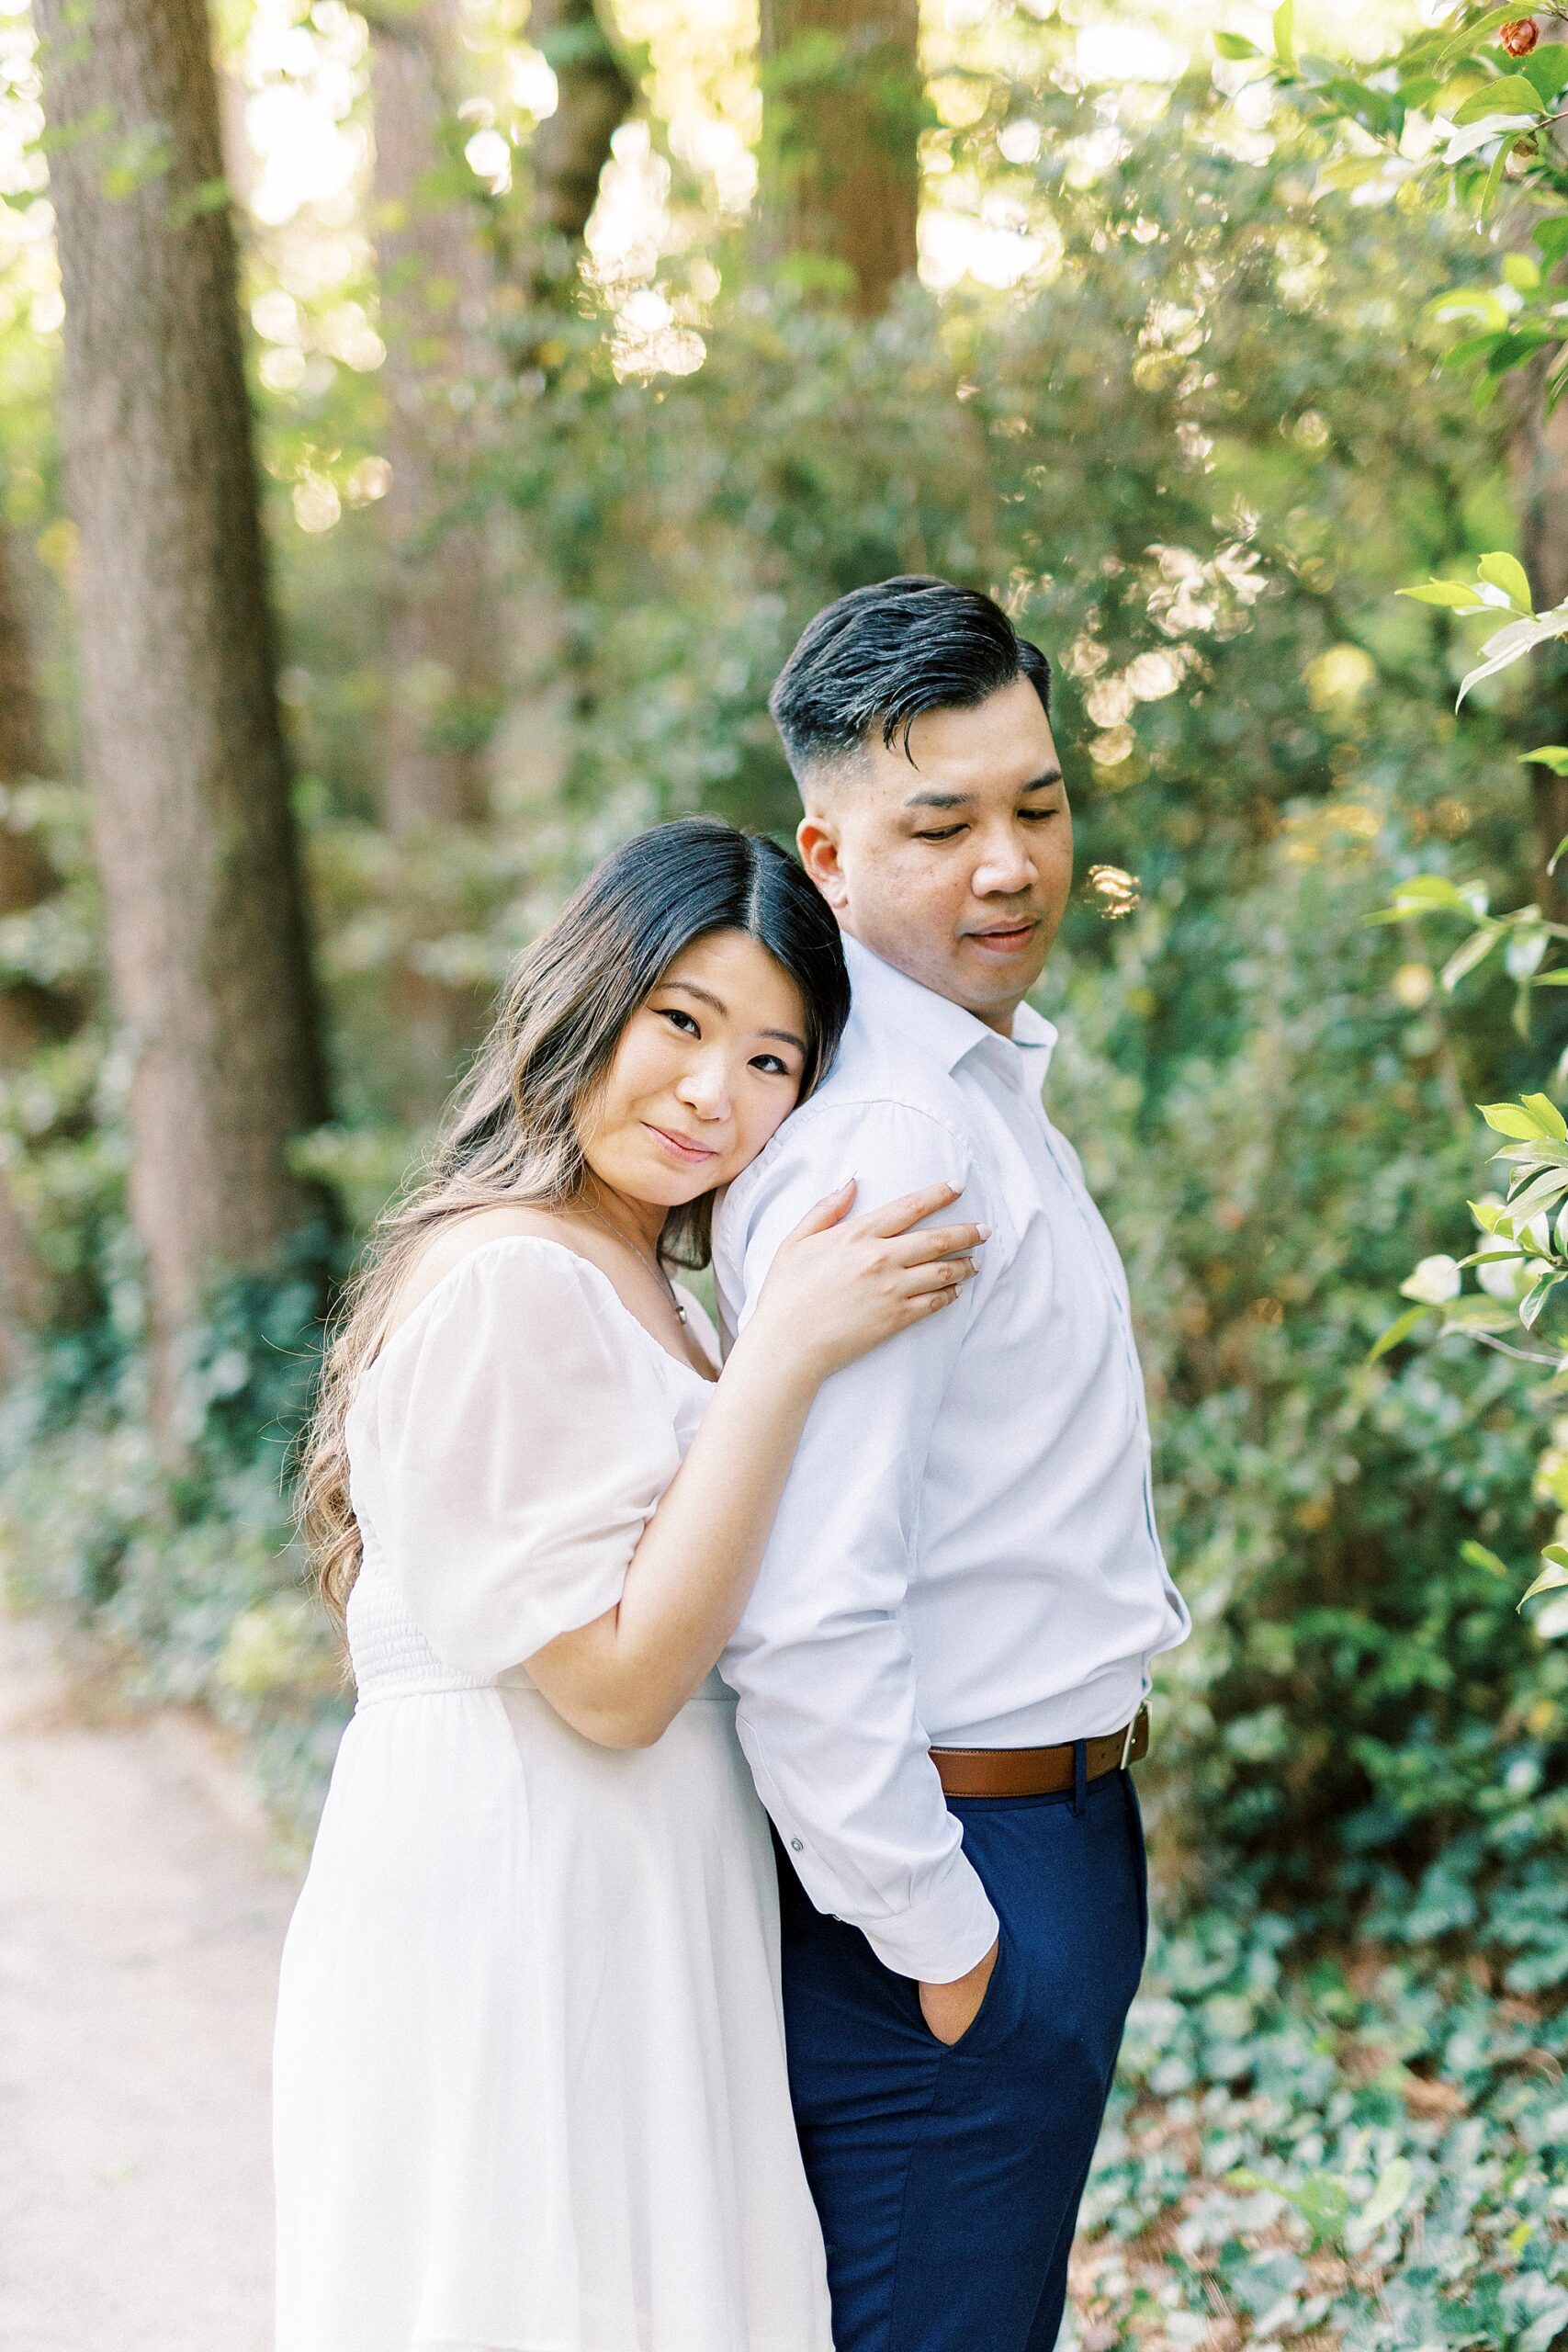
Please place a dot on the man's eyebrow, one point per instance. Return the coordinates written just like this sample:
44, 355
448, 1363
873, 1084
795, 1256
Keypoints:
707, 996
963, 799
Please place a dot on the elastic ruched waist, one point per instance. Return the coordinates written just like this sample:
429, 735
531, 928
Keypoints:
377, 1689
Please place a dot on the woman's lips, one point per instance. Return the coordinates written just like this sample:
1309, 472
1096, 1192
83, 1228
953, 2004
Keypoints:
688, 1155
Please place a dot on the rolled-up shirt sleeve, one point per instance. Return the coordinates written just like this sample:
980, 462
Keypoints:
821, 1665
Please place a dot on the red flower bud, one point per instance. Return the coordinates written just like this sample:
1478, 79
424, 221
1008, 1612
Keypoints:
1519, 36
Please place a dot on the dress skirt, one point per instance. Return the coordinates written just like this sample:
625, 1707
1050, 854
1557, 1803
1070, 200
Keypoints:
530, 2084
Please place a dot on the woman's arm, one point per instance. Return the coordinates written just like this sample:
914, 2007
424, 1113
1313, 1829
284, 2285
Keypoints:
836, 1290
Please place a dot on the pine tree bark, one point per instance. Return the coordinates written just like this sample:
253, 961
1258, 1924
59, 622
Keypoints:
840, 115
207, 939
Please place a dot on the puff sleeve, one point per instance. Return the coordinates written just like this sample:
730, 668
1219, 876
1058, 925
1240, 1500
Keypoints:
520, 1441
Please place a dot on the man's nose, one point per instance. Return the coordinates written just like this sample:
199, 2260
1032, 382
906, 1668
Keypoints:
1006, 867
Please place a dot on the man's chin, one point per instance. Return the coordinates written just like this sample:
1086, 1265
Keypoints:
1000, 974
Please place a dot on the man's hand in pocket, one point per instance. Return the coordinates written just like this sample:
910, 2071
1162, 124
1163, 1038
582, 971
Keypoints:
951, 2009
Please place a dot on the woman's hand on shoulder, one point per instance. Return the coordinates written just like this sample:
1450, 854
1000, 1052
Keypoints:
839, 1285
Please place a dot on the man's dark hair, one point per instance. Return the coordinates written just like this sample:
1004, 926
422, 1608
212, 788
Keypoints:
882, 655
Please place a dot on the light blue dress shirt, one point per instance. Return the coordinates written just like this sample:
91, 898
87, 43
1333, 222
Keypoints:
965, 1555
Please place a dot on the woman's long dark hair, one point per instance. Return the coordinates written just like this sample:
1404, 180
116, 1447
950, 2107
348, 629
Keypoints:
512, 1131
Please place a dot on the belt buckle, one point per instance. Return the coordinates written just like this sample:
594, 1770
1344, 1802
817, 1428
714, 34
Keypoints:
1130, 1734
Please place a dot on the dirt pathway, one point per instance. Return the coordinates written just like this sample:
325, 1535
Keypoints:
140, 1928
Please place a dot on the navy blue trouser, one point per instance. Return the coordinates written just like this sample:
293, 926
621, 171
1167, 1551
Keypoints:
949, 2180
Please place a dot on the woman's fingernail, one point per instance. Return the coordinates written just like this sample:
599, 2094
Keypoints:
984, 1231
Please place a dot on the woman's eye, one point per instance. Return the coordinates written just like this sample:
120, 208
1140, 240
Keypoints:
773, 1065
682, 1020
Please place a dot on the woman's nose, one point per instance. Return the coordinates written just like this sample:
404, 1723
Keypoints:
705, 1087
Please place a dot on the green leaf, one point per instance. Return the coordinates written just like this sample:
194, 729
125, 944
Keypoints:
1539, 1193
1532, 1155
1478, 1556
1433, 890
1552, 1122
1551, 1580
1466, 352
1493, 182
1513, 1119
1521, 271
1509, 94
1400, 1328
1505, 572
1468, 1316
1285, 34
1469, 38
1457, 595
1349, 170
1555, 757
1552, 236
1386, 2198
1235, 45
1464, 959
1548, 69
1482, 302
1534, 1303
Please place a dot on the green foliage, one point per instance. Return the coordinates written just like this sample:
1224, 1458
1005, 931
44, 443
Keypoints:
1361, 2154
1492, 117
1198, 454
190, 1573
1362, 1725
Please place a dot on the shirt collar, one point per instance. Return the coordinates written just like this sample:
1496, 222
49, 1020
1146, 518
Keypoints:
945, 1028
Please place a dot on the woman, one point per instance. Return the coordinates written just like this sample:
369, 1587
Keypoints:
530, 2084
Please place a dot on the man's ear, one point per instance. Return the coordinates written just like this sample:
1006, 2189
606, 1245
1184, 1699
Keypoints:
817, 837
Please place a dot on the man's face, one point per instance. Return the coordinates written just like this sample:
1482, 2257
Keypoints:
954, 863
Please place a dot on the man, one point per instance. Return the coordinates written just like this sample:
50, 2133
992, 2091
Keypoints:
941, 1671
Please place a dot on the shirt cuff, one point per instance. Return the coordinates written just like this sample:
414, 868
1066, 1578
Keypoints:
944, 1935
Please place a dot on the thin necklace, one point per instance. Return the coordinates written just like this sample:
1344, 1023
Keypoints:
609, 1226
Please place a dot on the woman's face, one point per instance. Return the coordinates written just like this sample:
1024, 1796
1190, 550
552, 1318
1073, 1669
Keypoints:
705, 1072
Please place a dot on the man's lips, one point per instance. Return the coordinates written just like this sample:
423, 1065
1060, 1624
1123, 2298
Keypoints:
1005, 937
681, 1148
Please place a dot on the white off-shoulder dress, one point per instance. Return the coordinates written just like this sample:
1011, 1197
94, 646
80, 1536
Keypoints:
530, 2091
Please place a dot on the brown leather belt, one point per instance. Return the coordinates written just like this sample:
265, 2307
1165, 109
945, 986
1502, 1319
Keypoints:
1038, 1772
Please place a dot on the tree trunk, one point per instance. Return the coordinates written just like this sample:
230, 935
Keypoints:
208, 938
1539, 448
532, 751
570, 147
841, 111
32, 1015
432, 286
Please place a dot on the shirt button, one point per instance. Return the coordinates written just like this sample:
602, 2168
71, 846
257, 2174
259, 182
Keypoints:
798, 1844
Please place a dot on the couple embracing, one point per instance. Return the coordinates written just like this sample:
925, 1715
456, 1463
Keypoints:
573, 2055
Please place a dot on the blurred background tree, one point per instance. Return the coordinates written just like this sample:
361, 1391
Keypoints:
587, 353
